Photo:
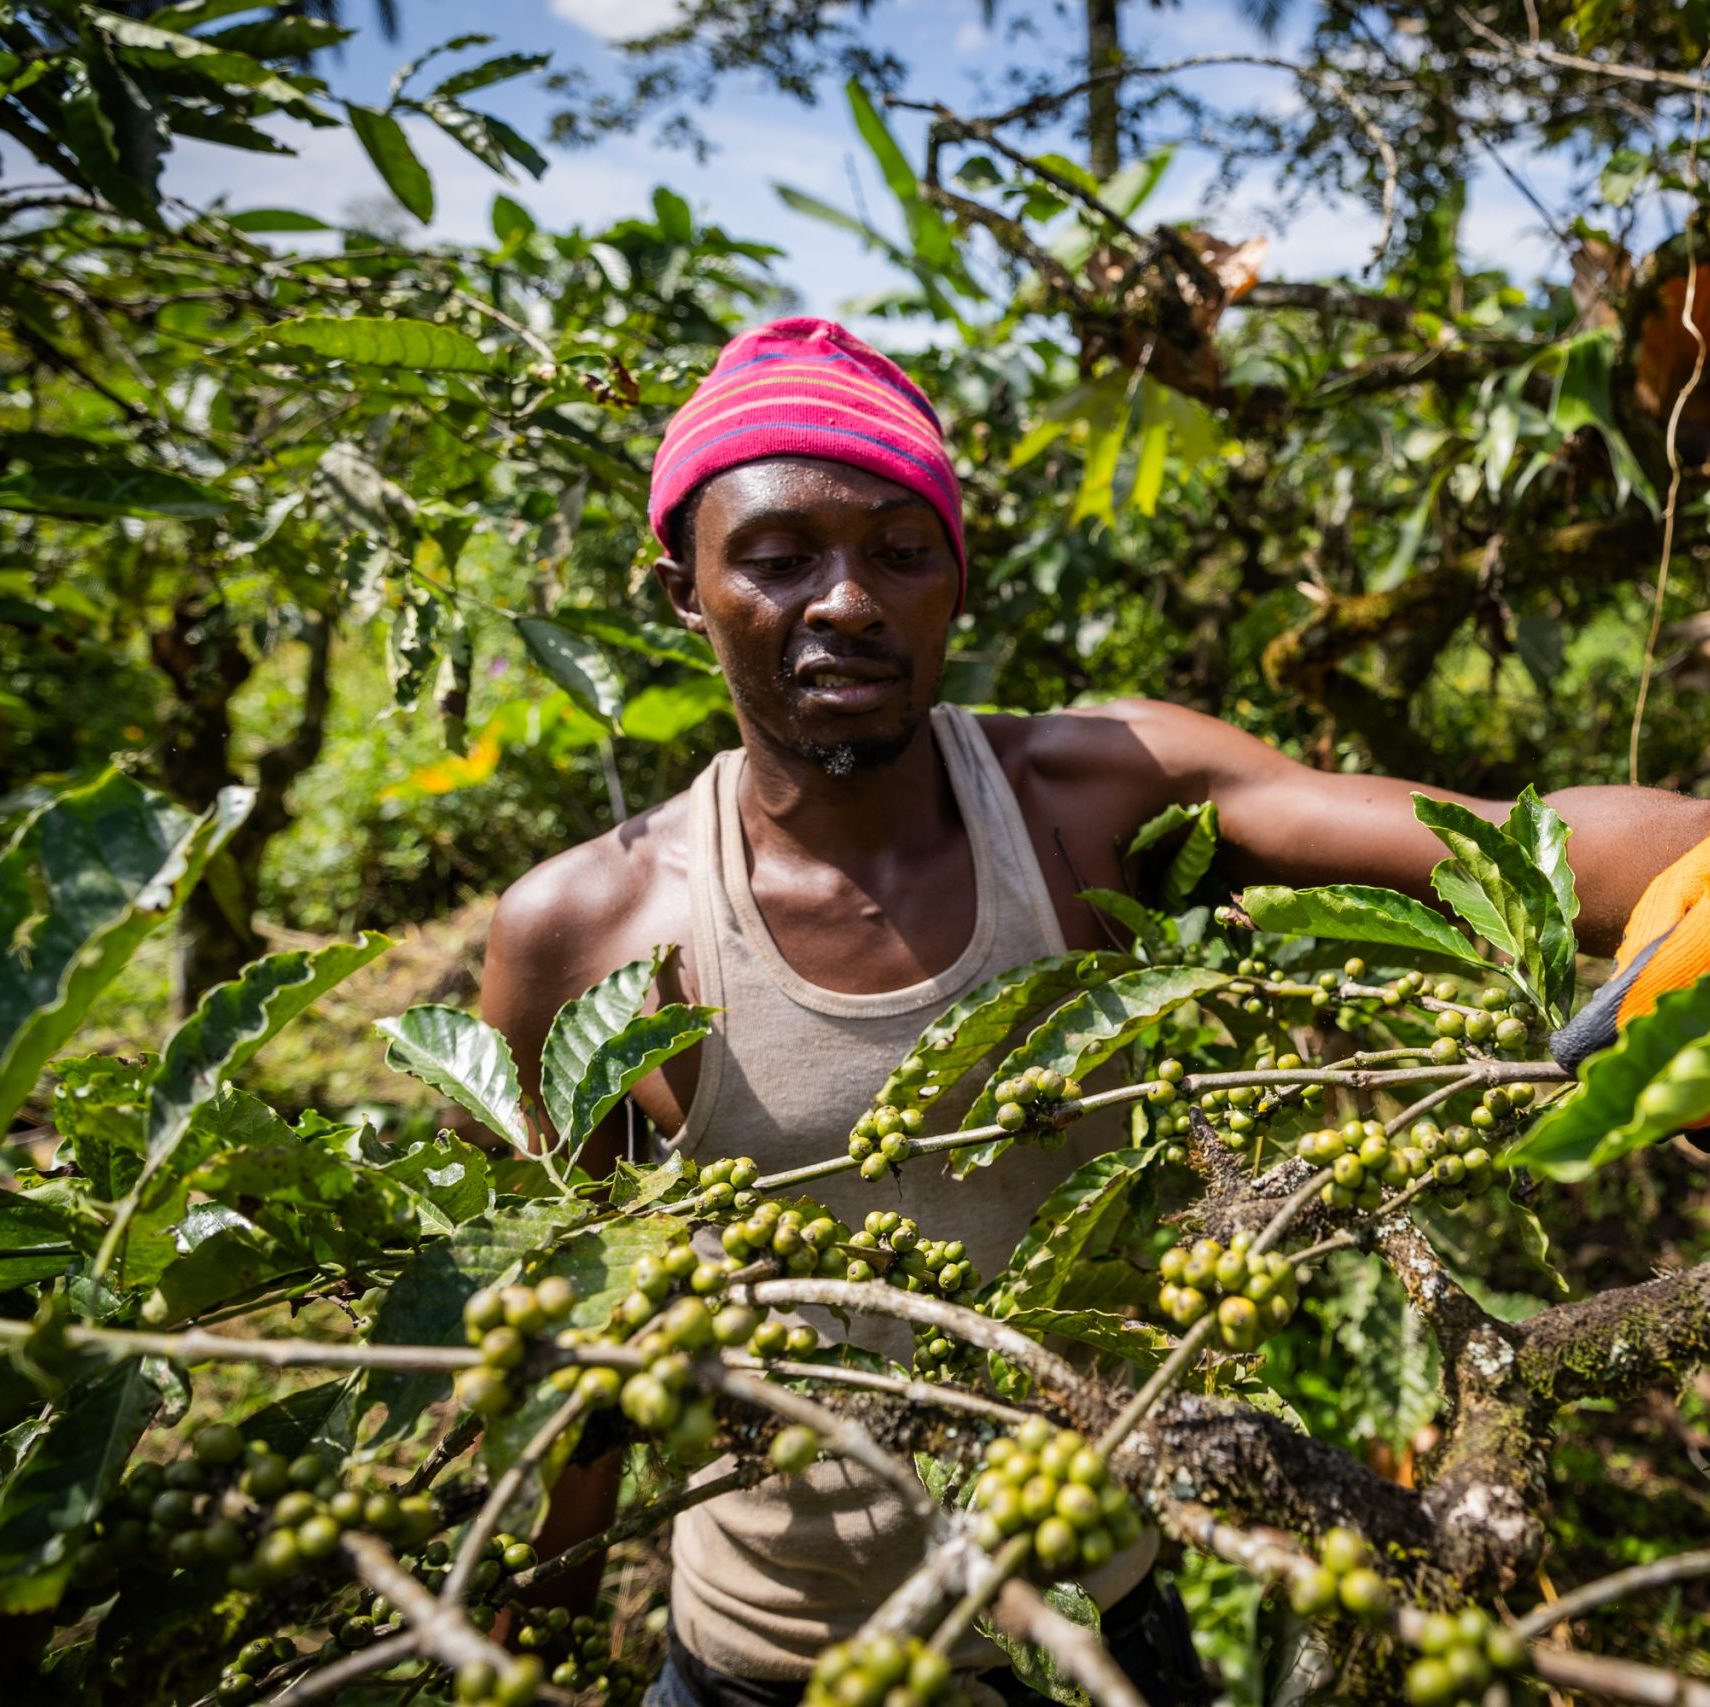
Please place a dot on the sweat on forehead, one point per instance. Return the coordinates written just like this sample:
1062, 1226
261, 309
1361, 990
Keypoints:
807, 388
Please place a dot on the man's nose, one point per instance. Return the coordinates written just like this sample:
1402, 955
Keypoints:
842, 601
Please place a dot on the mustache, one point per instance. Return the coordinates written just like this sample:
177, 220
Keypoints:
816, 654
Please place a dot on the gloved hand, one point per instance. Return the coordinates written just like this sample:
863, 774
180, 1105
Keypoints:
1666, 946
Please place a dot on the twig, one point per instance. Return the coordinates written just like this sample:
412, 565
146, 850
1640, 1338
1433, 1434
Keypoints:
873, 1298
1688, 319
1165, 1376
842, 1436
1574, 62
452, 1444
500, 1495
436, 1622
194, 1346
1613, 1587
640, 1521
1021, 1611
919, 1393
330, 1679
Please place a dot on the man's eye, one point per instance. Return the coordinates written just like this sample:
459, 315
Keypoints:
779, 564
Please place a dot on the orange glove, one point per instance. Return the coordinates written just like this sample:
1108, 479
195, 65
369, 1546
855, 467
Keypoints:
1666, 946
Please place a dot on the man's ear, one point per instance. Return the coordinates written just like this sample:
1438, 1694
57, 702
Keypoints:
678, 580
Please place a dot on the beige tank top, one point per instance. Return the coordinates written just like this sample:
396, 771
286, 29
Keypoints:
764, 1579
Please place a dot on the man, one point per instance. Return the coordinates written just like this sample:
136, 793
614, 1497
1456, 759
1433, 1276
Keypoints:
861, 862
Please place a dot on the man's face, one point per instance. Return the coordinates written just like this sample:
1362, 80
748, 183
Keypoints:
827, 593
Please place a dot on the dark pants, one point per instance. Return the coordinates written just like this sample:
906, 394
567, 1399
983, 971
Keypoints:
1146, 1632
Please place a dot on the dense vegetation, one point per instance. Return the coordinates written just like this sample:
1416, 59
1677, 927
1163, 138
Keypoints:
327, 610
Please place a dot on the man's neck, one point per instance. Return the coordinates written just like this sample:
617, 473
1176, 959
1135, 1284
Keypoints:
793, 808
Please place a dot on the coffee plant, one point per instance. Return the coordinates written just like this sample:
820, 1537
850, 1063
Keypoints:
1307, 1074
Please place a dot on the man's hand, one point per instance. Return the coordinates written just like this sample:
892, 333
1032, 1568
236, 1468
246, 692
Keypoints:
1666, 946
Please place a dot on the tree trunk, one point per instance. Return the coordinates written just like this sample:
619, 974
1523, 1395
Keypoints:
207, 666
1104, 52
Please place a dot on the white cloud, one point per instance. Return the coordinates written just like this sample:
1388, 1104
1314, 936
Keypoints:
970, 38
618, 20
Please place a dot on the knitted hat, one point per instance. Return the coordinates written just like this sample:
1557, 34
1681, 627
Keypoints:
807, 388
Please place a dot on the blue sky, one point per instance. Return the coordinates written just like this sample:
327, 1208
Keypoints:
761, 137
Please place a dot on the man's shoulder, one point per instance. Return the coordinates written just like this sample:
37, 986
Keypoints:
1086, 743
592, 903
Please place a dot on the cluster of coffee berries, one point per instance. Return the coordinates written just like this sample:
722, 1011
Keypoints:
801, 1238
588, 1666
1344, 1578
500, 1321
241, 1680
307, 1507
721, 1180
240, 1505
1256, 1294
883, 1671
1049, 1483
1027, 1104
919, 1265
1461, 1654
880, 1139
1457, 1158
512, 1683
1363, 1160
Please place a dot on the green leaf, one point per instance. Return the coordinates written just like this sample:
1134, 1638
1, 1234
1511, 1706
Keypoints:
657, 640
262, 219
667, 712
231, 1022
1538, 828
1037, 1667
235, 1259
1352, 912
419, 345
1083, 1034
1160, 825
1494, 885
462, 1058
512, 222
963, 1035
448, 1180
117, 861
601, 1044
1582, 400
489, 72
383, 139
576, 664
99, 491
35, 1236
893, 163
1614, 1110
66, 1474
222, 66
1133, 1340
1193, 857
424, 1306
1082, 1218
321, 1418
1392, 1385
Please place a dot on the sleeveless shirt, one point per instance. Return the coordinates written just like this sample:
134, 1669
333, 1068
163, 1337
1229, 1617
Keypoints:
765, 1578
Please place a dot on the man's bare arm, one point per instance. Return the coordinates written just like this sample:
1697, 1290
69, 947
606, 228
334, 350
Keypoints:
1285, 822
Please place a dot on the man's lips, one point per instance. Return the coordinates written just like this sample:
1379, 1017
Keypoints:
847, 684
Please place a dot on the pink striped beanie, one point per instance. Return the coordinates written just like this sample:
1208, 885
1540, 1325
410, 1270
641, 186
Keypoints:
807, 387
